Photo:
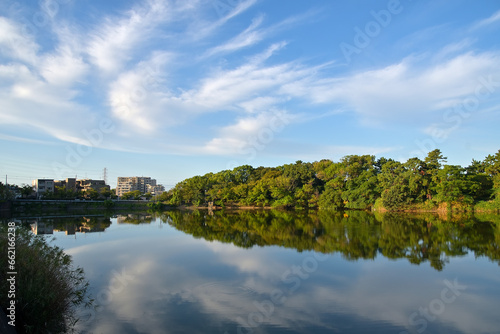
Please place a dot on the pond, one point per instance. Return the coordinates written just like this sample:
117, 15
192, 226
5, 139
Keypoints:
285, 272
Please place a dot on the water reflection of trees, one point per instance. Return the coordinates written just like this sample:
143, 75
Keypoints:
356, 235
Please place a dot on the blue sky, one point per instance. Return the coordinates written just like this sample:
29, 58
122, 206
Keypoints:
176, 88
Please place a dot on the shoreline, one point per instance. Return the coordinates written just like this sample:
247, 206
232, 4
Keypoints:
437, 210
23, 207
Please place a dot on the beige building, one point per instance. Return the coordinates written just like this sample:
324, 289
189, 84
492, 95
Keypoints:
69, 184
41, 186
82, 184
155, 190
127, 184
87, 184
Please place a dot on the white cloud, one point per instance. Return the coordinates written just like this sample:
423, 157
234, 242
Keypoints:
404, 90
248, 37
495, 17
111, 44
28, 100
160, 89
260, 129
135, 96
228, 11
261, 103
453, 49
16, 42
24, 140
63, 68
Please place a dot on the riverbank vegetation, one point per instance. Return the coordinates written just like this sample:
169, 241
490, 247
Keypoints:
48, 286
355, 182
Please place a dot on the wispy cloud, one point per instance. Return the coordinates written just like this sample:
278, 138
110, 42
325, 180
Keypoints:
156, 76
226, 11
248, 37
236, 138
112, 43
405, 90
16, 44
24, 140
64, 67
495, 17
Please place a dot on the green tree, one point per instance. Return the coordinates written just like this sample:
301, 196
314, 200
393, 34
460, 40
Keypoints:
106, 193
5, 193
360, 177
452, 185
434, 160
136, 194
92, 194
242, 174
299, 173
432, 163
395, 192
492, 168
26, 190
331, 197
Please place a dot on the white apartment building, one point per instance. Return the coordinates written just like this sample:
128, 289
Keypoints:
127, 184
41, 186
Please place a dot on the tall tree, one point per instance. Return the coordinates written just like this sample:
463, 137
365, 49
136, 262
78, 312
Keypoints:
492, 167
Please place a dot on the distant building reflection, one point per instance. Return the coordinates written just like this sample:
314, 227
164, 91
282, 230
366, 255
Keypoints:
41, 228
134, 219
69, 225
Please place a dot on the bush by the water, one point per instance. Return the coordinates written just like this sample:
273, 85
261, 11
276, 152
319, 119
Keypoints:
48, 286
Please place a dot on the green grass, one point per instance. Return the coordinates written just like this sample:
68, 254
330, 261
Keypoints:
48, 286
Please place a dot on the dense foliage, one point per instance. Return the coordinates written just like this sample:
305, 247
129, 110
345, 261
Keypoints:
355, 182
5, 193
92, 194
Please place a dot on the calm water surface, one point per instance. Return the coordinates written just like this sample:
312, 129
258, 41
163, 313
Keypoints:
280, 272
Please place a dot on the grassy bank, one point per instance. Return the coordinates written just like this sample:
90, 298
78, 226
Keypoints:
48, 286
429, 206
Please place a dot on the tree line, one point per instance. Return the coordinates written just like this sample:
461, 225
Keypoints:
60, 192
354, 182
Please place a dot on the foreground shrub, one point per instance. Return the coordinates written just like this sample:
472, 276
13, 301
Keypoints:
48, 286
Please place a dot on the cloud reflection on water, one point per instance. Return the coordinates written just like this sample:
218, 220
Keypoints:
183, 284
